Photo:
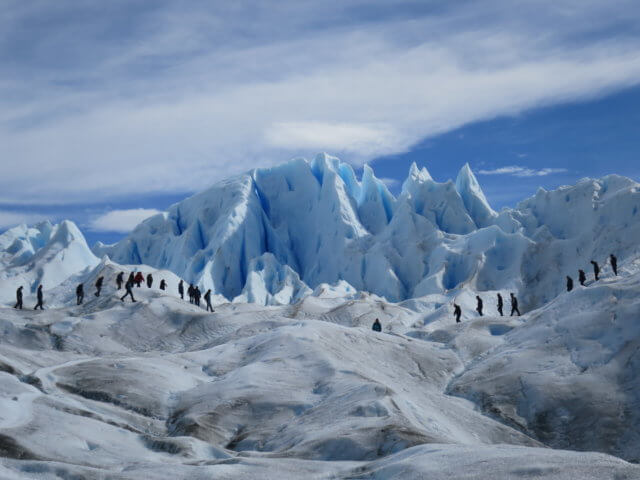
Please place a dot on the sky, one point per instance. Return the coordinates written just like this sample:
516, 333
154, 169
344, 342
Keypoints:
111, 111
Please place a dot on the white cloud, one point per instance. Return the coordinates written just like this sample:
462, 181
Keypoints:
518, 171
174, 109
122, 221
390, 182
11, 219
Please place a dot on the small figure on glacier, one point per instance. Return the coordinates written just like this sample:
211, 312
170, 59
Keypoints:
132, 278
377, 326
139, 279
181, 289
129, 287
163, 284
149, 280
40, 298
99, 286
196, 296
191, 292
500, 305
614, 263
79, 294
514, 305
582, 277
207, 297
596, 269
457, 312
18, 298
479, 305
120, 280
569, 283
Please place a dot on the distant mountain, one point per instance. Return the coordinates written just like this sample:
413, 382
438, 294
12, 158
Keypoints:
43, 254
272, 234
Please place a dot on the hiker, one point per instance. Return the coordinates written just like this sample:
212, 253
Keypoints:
596, 269
120, 280
377, 326
99, 286
514, 305
500, 305
139, 279
181, 289
129, 287
614, 264
149, 280
40, 299
196, 296
457, 312
207, 297
191, 292
479, 306
18, 298
79, 294
163, 284
581, 277
569, 283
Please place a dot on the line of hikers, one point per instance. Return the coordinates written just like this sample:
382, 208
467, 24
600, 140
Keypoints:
457, 311
582, 277
135, 278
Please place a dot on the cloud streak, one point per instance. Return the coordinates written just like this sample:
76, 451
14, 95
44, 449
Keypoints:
172, 101
121, 221
518, 171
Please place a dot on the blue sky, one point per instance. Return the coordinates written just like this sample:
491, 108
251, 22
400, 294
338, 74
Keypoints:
112, 110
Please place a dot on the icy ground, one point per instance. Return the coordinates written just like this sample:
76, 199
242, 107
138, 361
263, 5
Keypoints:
161, 389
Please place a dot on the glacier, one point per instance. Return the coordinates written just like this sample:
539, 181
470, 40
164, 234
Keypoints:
286, 379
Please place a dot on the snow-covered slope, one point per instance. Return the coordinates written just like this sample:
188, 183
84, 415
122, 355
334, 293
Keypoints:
319, 224
43, 254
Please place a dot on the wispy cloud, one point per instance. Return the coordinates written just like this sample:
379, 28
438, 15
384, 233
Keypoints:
518, 171
108, 99
11, 219
122, 221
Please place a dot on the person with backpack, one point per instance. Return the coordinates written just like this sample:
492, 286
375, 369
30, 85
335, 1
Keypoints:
99, 286
129, 290
500, 305
149, 281
582, 277
479, 305
163, 284
18, 298
120, 280
40, 299
207, 297
181, 289
569, 283
79, 294
196, 295
139, 279
596, 269
514, 305
191, 292
377, 326
614, 263
457, 312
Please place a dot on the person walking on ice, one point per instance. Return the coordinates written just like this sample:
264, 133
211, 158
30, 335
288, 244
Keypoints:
18, 298
163, 284
457, 312
500, 305
614, 264
569, 283
582, 277
120, 280
79, 294
181, 289
129, 287
596, 269
99, 286
377, 326
40, 299
514, 305
207, 297
149, 281
479, 305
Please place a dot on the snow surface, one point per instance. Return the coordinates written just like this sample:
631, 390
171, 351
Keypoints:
286, 379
